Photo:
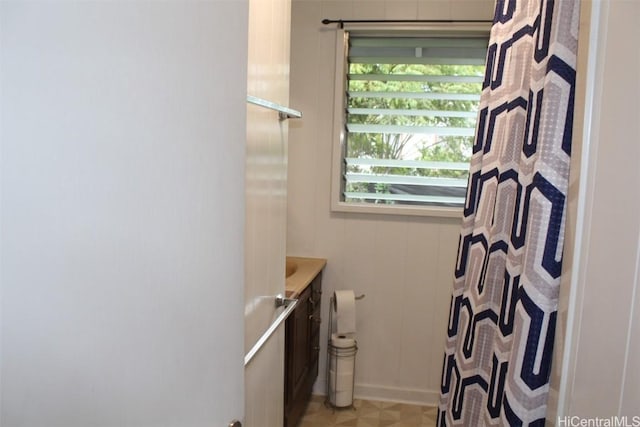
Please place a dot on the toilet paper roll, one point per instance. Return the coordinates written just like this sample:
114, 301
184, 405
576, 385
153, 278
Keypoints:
345, 306
341, 389
340, 382
342, 340
344, 365
342, 355
342, 399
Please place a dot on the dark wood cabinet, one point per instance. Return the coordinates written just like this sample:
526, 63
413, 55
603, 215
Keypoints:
302, 350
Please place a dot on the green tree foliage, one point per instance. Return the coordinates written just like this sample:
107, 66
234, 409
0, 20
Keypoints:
425, 113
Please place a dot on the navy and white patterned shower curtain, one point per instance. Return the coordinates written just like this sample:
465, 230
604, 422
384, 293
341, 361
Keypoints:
503, 308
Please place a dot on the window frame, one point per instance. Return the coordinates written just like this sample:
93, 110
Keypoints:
340, 100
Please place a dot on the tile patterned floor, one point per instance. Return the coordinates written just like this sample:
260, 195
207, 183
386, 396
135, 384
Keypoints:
368, 413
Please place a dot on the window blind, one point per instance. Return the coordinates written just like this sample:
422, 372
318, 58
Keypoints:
410, 116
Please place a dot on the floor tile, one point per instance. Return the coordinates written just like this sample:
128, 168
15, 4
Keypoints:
368, 413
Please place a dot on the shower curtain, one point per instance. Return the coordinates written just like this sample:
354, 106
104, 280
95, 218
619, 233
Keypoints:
503, 307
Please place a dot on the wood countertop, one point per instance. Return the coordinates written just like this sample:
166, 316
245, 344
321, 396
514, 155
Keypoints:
300, 272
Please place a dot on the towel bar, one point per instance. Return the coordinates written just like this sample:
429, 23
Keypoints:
284, 113
289, 305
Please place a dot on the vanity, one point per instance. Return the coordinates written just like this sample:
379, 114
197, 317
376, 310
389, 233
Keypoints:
302, 335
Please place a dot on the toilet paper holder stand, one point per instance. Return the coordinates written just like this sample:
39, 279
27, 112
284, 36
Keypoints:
336, 358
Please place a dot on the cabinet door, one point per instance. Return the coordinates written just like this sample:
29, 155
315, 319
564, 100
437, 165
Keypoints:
314, 326
297, 361
300, 337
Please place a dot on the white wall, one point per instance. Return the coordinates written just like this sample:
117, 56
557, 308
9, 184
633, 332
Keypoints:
601, 378
122, 212
404, 265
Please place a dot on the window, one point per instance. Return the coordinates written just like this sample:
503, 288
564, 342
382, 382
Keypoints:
406, 119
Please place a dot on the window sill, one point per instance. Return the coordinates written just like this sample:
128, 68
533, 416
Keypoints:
405, 210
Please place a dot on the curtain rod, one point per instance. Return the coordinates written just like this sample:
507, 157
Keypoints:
341, 22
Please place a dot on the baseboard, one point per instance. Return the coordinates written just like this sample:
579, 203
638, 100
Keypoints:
389, 394
397, 394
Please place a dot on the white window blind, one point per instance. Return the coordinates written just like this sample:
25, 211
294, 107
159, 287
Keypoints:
410, 115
